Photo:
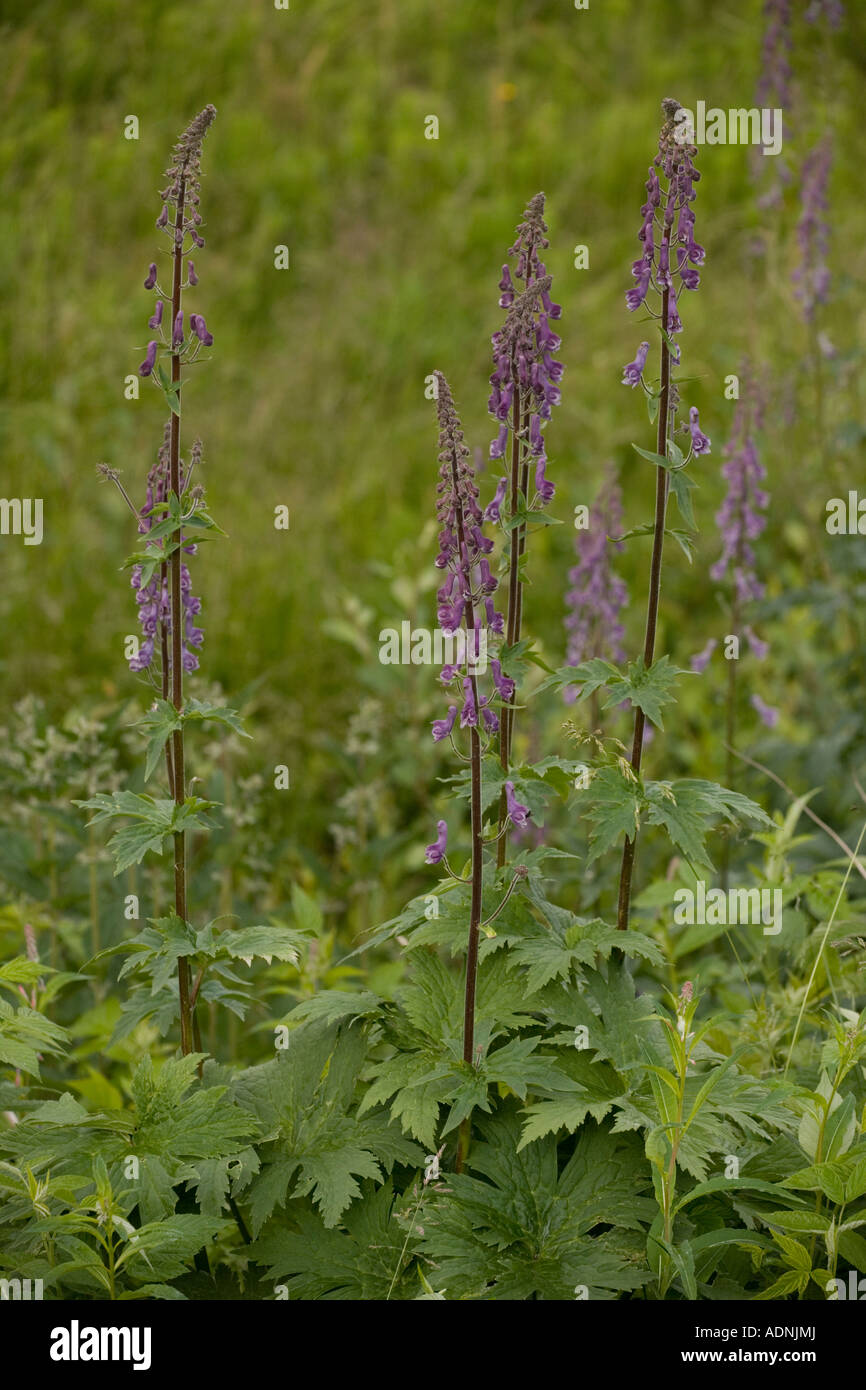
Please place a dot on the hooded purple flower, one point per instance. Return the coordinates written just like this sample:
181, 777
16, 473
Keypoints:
491, 719
436, 851
766, 713
518, 814
469, 713
200, 329
193, 278
177, 334
544, 488
631, 374
758, 647
701, 660
147, 365
156, 319
492, 510
504, 684
442, 727
700, 443
151, 276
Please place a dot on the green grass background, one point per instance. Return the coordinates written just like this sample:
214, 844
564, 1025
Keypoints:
315, 395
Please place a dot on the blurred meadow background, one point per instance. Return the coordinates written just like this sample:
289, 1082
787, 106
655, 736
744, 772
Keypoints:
315, 399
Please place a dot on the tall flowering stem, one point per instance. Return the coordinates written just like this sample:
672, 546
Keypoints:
525, 387
180, 219
466, 609
665, 270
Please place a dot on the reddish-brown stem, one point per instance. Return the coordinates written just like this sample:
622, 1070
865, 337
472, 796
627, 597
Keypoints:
166, 674
179, 779
512, 628
628, 849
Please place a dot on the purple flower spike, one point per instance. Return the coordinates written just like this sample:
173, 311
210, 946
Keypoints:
156, 318
436, 852
543, 487
177, 335
518, 814
442, 727
151, 277
700, 443
147, 365
193, 278
631, 374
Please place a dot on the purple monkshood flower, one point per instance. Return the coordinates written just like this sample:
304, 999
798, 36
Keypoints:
504, 684
200, 329
506, 298
497, 447
701, 660
193, 278
596, 595
631, 373
758, 647
518, 814
151, 276
492, 510
767, 714
669, 250
495, 620
491, 719
442, 727
177, 335
469, 713
156, 319
147, 365
544, 488
436, 851
525, 380
700, 443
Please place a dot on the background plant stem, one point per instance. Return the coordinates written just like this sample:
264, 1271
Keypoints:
628, 849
